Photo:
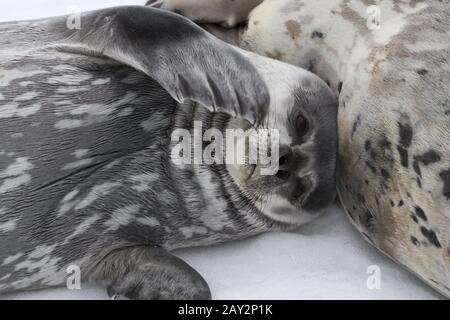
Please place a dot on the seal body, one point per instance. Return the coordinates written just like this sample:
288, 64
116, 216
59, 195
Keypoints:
95, 175
86, 177
392, 74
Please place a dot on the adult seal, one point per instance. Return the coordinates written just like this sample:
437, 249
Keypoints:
86, 172
389, 63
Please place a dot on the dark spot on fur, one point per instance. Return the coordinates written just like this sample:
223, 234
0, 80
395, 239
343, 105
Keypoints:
431, 236
403, 156
445, 176
392, 203
401, 203
420, 213
422, 71
415, 241
340, 86
417, 168
427, 158
414, 218
317, 34
406, 133
371, 167
367, 145
419, 182
294, 29
385, 147
356, 124
385, 174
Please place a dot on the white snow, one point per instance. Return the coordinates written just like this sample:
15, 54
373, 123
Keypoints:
326, 259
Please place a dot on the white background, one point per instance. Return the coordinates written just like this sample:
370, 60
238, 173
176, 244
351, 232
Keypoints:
326, 259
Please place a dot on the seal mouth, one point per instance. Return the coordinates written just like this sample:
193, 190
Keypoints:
301, 190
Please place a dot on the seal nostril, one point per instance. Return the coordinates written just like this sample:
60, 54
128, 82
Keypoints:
283, 174
285, 155
283, 160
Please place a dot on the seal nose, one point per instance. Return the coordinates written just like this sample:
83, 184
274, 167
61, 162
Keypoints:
289, 161
295, 188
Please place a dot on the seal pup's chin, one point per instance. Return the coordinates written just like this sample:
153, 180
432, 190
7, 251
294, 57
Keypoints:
281, 201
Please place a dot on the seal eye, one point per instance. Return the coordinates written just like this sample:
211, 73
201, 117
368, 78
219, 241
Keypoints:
302, 125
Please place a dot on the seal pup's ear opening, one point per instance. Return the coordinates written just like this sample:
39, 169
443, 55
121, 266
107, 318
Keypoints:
187, 61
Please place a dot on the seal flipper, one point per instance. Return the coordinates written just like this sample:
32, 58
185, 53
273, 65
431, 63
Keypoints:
145, 273
187, 61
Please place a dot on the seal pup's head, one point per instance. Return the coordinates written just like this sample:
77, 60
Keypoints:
303, 110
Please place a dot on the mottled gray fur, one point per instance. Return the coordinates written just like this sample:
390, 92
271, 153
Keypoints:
63, 149
394, 110
85, 175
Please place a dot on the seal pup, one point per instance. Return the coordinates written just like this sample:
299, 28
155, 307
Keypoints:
86, 173
389, 63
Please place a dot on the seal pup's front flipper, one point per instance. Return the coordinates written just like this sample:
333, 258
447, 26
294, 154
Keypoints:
145, 273
188, 62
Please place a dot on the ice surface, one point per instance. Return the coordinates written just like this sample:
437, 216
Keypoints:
326, 259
